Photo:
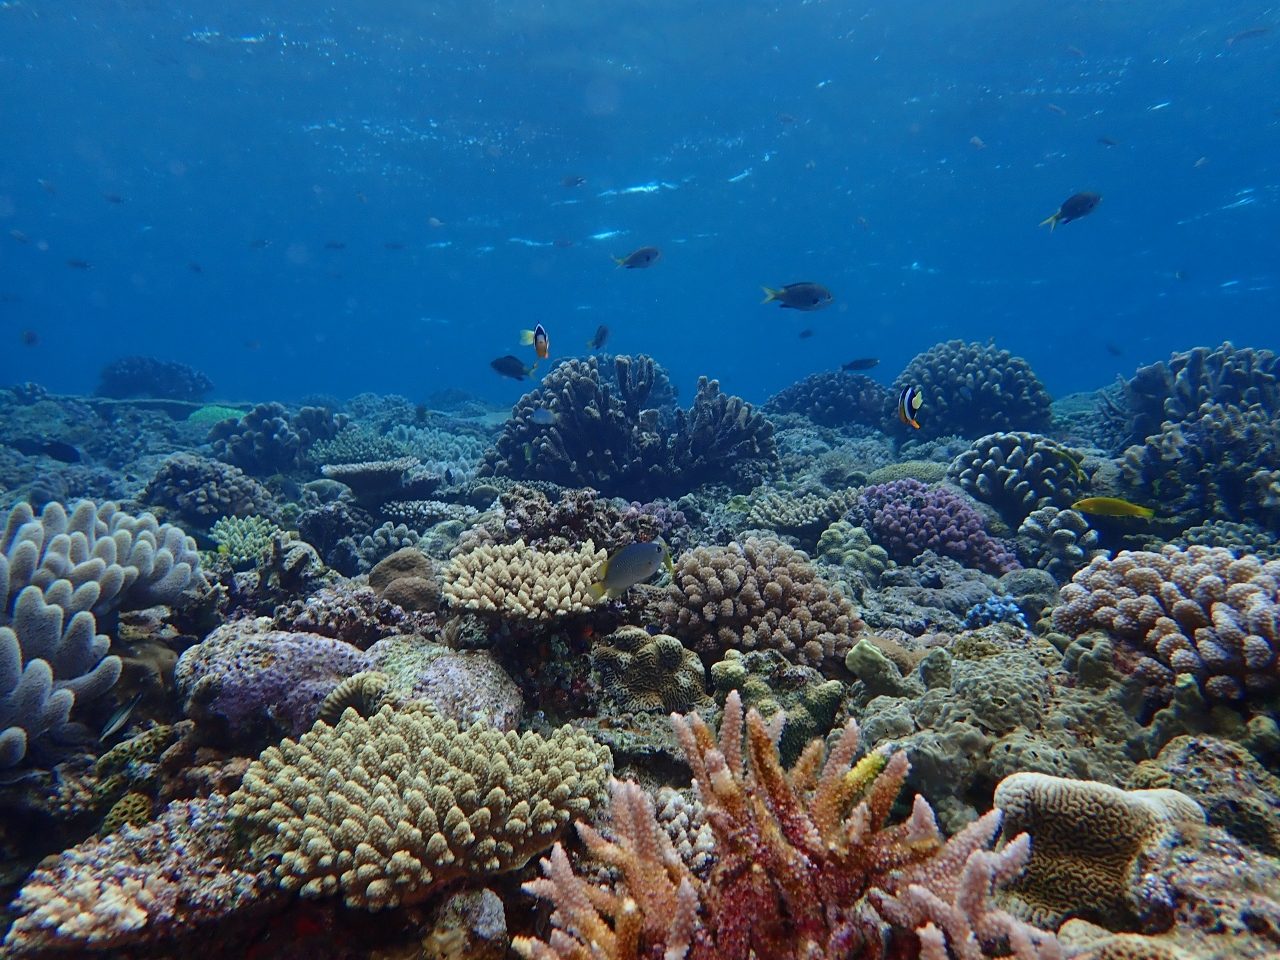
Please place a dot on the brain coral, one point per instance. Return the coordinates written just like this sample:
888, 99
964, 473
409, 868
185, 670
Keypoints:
1200, 611
907, 517
386, 809
760, 594
835, 399
1018, 472
642, 672
971, 389
518, 581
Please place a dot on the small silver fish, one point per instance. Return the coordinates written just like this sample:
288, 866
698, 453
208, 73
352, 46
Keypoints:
634, 563
119, 717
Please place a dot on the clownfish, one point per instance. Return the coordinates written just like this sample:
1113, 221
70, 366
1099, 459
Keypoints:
909, 403
538, 337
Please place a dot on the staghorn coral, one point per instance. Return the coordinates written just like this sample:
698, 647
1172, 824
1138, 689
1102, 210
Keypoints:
807, 866
140, 885
760, 594
1059, 541
906, 517
612, 435
269, 439
835, 399
637, 671
198, 490
1089, 847
972, 389
1200, 611
129, 377
1019, 472
517, 581
388, 809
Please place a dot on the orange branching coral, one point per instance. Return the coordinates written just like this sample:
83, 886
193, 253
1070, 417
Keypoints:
808, 866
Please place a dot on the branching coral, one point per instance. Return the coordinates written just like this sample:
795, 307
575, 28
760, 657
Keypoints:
1200, 611
807, 866
971, 389
388, 809
801, 515
760, 594
517, 581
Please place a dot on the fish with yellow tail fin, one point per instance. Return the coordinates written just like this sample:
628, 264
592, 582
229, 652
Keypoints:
1113, 507
634, 563
909, 403
1073, 208
539, 339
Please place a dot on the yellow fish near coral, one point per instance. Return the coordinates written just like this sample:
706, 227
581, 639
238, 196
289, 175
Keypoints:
634, 563
1112, 507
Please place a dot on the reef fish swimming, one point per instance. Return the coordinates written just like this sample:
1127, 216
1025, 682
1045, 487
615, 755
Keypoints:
799, 296
538, 337
1113, 507
1073, 208
909, 403
639, 259
512, 367
598, 341
862, 363
634, 563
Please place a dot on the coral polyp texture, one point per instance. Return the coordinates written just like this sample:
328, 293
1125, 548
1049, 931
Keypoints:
835, 399
582, 428
197, 491
972, 389
759, 594
806, 865
907, 517
1201, 611
1019, 472
517, 581
387, 809
638, 671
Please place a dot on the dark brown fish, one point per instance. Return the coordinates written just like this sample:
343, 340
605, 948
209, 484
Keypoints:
862, 363
1073, 208
113, 198
805, 334
80, 264
799, 296
30, 338
1108, 142
639, 259
335, 245
512, 367
19, 236
601, 336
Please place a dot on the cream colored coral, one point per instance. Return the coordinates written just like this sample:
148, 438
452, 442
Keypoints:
518, 581
385, 809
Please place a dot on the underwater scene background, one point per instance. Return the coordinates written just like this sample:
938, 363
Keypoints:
566, 481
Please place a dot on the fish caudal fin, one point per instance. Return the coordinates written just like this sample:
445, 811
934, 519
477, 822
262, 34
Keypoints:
770, 295
597, 590
526, 337
620, 261
1052, 221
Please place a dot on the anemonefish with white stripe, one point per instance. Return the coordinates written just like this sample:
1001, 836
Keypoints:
538, 337
909, 403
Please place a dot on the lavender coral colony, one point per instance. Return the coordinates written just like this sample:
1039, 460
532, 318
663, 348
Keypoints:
614, 677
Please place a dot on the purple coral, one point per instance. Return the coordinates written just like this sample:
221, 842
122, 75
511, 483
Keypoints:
907, 517
247, 678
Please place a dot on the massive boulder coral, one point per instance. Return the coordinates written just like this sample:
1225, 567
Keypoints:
151, 378
806, 865
198, 491
612, 434
759, 594
637, 671
387, 809
1059, 541
835, 399
1019, 472
1200, 611
972, 389
907, 517
269, 439
517, 581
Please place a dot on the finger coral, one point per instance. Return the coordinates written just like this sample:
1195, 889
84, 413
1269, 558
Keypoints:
758, 595
518, 581
1019, 472
806, 866
1200, 611
387, 809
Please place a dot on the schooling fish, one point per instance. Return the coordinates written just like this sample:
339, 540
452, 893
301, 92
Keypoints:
909, 403
512, 367
639, 259
862, 363
1112, 507
799, 296
538, 337
1073, 208
633, 564
599, 340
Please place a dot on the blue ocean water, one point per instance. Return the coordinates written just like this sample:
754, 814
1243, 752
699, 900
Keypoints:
297, 199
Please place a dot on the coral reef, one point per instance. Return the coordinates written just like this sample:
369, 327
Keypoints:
758, 595
806, 865
835, 399
1059, 541
148, 377
803, 516
467, 686
197, 491
1200, 611
245, 541
269, 439
851, 549
1019, 472
388, 809
517, 581
906, 517
407, 578
972, 389
637, 671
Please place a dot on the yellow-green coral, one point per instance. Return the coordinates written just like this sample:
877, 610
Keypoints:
245, 541
133, 808
642, 672
519, 581
926, 471
387, 808
844, 545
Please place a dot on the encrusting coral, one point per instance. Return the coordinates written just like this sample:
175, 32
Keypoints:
516, 580
388, 809
807, 866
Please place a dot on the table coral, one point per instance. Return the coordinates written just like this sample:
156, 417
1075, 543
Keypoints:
386, 810
1200, 611
758, 595
518, 581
